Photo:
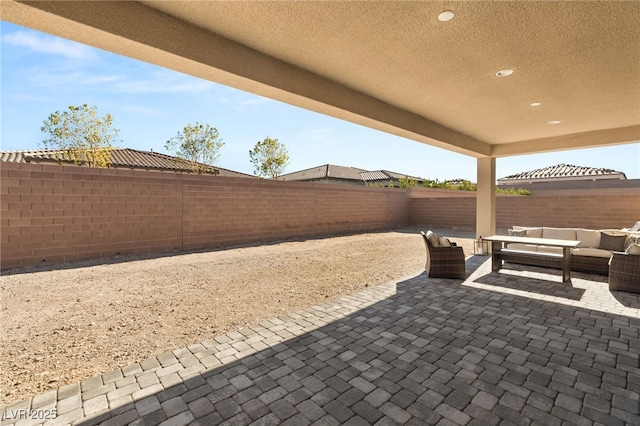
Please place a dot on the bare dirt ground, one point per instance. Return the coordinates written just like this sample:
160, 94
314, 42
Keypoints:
64, 325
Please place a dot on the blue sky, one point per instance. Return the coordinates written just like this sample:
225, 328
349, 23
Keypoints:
42, 74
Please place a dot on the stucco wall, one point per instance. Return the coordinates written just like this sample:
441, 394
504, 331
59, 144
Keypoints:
52, 214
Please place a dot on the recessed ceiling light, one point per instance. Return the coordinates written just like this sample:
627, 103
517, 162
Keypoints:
446, 16
505, 72
536, 104
554, 122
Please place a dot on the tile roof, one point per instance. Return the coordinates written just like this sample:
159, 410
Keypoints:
565, 171
332, 171
120, 157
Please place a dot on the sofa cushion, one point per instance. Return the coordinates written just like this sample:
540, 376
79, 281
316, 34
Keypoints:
550, 249
531, 232
612, 242
559, 233
588, 238
593, 252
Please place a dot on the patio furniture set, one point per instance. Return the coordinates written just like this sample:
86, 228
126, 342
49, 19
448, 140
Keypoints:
611, 252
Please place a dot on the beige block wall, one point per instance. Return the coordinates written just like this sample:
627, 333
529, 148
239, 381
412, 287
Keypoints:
51, 214
590, 208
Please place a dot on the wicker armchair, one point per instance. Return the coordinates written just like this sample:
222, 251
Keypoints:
444, 262
624, 272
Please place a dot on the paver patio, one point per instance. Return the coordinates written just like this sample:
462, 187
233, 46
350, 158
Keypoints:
515, 347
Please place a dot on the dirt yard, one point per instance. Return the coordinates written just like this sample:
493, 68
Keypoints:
65, 325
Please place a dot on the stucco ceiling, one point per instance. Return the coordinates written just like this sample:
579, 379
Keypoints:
393, 65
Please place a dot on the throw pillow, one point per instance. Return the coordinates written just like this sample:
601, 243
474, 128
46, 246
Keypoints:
634, 249
444, 242
433, 239
612, 242
518, 232
633, 239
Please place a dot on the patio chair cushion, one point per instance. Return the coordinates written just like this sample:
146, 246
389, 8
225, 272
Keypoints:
631, 240
612, 242
434, 240
444, 242
633, 249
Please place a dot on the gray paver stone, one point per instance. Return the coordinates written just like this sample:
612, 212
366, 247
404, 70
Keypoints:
44, 399
297, 420
338, 411
112, 376
395, 413
122, 419
310, 410
69, 404
255, 409
268, 420
228, 408
569, 403
326, 421
182, 419
147, 405
174, 406
125, 391
201, 407
485, 400
282, 409
94, 405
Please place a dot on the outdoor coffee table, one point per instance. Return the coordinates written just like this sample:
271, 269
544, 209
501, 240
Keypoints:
499, 252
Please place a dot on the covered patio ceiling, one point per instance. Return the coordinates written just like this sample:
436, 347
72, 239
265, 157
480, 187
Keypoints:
395, 66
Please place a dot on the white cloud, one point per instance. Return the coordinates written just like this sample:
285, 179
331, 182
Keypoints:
48, 44
163, 82
64, 77
159, 82
256, 101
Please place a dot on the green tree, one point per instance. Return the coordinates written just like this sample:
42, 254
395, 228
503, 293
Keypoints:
269, 158
407, 182
81, 135
199, 144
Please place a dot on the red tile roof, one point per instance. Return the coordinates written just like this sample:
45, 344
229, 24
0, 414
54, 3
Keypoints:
562, 172
338, 173
121, 158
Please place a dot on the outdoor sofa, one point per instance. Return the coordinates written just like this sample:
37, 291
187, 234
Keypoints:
592, 255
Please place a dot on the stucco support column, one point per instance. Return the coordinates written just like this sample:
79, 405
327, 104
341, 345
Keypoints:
486, 197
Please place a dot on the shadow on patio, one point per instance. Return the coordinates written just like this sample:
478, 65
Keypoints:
420, 351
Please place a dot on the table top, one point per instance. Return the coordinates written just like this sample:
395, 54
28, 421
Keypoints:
530, 240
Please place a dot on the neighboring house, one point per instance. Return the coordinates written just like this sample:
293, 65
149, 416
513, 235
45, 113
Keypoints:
330, 173
122, 158
567, 176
